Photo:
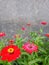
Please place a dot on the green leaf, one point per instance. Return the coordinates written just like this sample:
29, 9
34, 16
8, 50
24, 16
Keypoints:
9, 63
42, 50
24, 53
35, 61
46, 60
2, 44
41, 30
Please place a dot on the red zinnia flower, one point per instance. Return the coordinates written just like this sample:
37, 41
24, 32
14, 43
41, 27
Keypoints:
2, 34
28, 47
10, 53
11, 41
43, 22
47, 35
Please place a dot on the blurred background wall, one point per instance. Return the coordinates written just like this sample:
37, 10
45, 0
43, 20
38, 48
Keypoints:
15, 13
26, 9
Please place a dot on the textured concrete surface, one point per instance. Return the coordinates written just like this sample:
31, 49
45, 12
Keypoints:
16, 13
30, 9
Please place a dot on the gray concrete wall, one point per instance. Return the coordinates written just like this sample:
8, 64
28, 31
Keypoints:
27, 9
15, 14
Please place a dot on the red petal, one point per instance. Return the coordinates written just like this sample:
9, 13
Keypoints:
43, 22
13, 56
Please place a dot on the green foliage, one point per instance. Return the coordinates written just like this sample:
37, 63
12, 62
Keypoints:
2, 44
4, 63
19, 42
41, 57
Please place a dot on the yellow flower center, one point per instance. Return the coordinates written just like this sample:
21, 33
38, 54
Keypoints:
10, 50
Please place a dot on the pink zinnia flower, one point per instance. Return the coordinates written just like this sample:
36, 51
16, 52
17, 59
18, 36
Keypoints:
23, 28
30, 47
43, 22
28, 24
2, 34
